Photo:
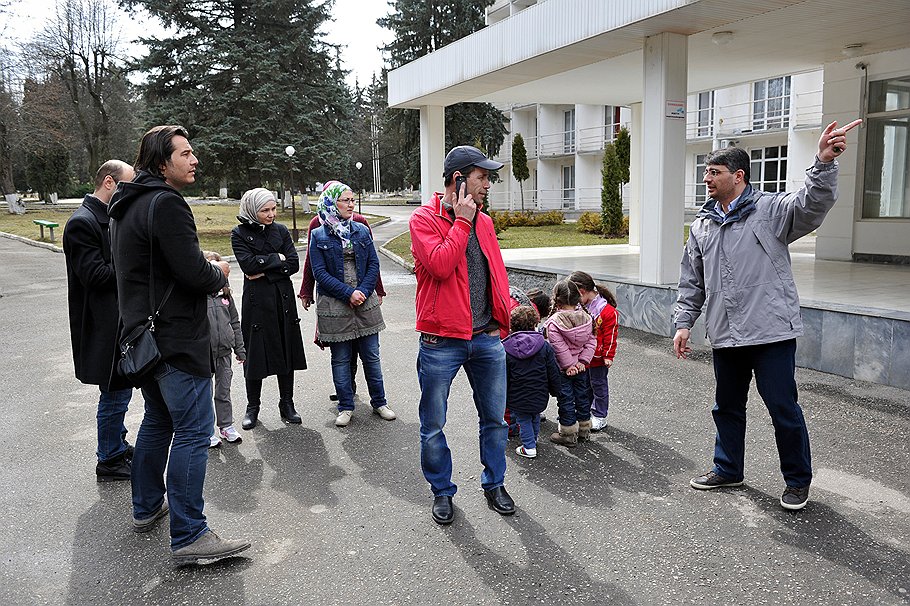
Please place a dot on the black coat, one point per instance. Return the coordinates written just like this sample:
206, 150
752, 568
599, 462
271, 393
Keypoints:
268, 314
182, 328
92, 294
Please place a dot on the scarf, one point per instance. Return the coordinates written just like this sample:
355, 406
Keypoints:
252, 202
328, 212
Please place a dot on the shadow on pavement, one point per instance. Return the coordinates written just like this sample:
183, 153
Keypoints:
231, 480
308, 482
113, 565
551, 576
587, 474
818, 529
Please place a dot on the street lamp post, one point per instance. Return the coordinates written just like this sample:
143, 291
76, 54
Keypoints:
295, 233
359, 165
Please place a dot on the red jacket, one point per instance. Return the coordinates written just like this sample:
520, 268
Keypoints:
439, 247
606, 327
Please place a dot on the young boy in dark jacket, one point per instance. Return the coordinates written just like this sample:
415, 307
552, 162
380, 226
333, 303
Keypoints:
532, 376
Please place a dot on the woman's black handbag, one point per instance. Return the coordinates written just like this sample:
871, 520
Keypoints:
139, 355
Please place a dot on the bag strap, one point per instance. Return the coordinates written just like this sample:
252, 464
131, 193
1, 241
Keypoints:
170, 286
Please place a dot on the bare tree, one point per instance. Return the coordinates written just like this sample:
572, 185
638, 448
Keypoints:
80, 47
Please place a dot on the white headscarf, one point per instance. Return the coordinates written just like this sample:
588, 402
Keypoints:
252, 202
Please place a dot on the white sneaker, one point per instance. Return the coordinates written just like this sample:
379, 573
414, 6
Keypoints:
598, 423
528, 453
214, 441
230, 434
344, 417
385, 412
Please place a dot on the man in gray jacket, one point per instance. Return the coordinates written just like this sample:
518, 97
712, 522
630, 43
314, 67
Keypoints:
736, 265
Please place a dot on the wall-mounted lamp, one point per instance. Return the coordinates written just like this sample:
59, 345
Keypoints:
721, 38
852, 50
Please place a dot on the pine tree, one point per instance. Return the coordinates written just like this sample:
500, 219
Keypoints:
421, 27
520, 165
611, 193
247, 78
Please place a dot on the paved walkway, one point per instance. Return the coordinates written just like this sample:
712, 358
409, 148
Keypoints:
342, 516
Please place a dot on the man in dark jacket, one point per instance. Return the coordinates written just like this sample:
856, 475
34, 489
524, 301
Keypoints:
92, 295
178, 401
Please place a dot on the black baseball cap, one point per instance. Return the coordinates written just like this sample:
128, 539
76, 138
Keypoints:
465, 155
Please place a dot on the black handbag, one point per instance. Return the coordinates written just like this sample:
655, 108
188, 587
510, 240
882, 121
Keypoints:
139, 355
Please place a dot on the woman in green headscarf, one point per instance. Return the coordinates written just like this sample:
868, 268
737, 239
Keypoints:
348, 315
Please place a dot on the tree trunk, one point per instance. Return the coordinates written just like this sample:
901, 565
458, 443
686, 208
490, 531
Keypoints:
522, 190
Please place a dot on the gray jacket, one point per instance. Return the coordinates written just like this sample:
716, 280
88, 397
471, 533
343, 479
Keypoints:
224, 324
738, 266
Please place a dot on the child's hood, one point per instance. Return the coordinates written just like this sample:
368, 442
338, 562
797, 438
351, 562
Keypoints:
523, 344
571, 319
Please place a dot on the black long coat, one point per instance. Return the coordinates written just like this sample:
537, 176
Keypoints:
268, 315
92, 294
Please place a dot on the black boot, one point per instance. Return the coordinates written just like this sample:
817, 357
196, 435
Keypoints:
113, 470
251, 418
288, 414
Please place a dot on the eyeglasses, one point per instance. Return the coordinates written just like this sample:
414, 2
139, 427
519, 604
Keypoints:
346, 200
714, 172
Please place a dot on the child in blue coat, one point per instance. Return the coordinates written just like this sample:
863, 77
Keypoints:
532, 376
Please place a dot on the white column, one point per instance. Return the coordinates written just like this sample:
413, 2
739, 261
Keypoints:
432, 149
635, 176
664, 157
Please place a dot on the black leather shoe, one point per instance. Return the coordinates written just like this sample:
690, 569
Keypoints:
442, 510
113, 470
129, 452
500, 501
288, 413
250, 418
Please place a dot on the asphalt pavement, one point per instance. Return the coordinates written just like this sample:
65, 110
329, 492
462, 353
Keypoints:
342, 516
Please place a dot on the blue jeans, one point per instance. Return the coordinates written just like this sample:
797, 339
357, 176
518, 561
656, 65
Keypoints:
178, 407
484, 362
344, 359
600, 390
529, 428
112, 407
574, 398
774, 365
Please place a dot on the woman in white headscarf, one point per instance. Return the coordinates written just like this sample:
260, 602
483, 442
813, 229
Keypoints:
269, 321
348, 315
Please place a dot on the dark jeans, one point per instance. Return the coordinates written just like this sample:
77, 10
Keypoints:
112, 406
175, 435
574, 398
774, 365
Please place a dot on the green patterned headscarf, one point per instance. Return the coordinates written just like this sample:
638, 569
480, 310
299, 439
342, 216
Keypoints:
328, 211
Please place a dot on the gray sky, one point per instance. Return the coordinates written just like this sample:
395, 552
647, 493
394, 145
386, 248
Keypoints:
354, 27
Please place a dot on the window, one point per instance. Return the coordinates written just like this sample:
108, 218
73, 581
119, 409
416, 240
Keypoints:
611, 122
704, 115
769, 168
568, 186
701, 190
771, 103
886, 186
569, 131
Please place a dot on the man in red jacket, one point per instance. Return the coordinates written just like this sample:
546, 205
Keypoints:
462, 310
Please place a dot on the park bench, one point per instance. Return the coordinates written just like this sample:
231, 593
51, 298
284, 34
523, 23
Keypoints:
42, 223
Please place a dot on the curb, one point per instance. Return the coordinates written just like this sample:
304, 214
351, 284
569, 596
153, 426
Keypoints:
30, 242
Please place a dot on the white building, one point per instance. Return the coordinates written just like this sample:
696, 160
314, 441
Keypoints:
689, 75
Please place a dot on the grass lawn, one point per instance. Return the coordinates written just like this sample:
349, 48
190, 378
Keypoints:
214, 223
566, 234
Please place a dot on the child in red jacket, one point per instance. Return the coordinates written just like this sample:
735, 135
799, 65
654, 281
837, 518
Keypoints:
601, 304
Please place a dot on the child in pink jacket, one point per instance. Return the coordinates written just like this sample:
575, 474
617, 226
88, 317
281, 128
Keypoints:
570, 332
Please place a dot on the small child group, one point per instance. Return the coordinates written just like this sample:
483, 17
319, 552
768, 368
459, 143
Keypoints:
562, 346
